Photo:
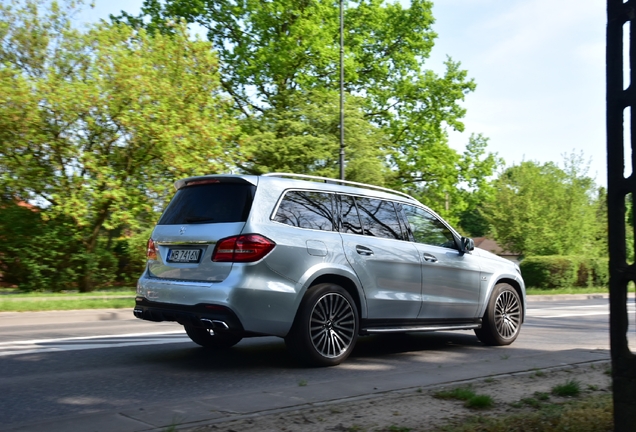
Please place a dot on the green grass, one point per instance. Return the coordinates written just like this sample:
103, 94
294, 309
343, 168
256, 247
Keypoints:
569, 290
12, 300
459, 393
593, 414
12, 293
42, 304
480, 402
466, 394
568, 389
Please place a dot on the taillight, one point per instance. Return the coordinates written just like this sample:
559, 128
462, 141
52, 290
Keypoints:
151, 252
243, 248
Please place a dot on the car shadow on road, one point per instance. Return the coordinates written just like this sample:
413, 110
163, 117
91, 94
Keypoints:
387, 344
271, 352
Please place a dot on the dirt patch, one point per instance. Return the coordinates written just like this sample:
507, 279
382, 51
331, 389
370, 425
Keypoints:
418, 409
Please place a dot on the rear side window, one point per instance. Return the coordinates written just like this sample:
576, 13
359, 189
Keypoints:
379, 218
209, 203
311, 210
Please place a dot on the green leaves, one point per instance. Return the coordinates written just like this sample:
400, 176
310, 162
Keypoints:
541, 209
279, 63
97, 125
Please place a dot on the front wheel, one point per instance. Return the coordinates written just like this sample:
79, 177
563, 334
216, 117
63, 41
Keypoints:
326, 326
208, 339
502, 320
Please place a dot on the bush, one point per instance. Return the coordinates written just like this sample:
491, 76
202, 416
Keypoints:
130, 252
42, 254
554, 271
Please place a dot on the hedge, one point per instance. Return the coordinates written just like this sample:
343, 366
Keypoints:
547, 272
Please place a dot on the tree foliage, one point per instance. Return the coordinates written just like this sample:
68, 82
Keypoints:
279, 63
542, 209
95, 125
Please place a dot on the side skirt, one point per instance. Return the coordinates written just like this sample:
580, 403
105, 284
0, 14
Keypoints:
401, 326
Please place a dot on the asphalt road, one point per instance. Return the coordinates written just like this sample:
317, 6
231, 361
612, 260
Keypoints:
151, 376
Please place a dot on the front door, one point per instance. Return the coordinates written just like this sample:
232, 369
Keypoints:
450, 279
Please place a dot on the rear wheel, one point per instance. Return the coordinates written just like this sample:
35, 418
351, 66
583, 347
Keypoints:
209, 339
326, 326
502, 320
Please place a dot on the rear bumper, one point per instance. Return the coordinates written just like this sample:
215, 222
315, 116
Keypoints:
258, 300
216, 317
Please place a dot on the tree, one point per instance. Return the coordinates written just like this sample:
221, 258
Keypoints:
542, 209
305, 138
96, 125
279, 63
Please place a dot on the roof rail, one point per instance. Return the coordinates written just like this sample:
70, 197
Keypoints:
345, 182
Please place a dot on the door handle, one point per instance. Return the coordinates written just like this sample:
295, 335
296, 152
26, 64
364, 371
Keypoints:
430, 258
362, 250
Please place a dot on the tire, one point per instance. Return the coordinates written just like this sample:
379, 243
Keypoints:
326, 326
208, 339
502, 321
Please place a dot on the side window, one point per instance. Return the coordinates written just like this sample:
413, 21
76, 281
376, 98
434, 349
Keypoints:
379, 218
428, 229
350, 220
312, 210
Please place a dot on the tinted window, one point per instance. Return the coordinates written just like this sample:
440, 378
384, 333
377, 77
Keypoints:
311, 210
379, 218
209, 203
349, 216
428, 229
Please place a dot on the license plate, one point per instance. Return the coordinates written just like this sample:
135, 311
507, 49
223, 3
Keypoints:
184, 255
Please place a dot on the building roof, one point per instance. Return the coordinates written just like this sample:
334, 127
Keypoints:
492, 246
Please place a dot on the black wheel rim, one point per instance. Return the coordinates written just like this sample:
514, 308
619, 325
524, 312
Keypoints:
332, 326
507, 314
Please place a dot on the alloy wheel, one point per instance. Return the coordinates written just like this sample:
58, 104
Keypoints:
507, 314
332, 325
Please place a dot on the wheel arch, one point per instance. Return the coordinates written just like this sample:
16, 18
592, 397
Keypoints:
346, 283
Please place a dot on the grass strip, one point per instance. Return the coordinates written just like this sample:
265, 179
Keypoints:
594, 414
7, 293
569, 290
49, 304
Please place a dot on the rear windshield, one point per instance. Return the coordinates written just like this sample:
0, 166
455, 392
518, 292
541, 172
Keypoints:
209, 203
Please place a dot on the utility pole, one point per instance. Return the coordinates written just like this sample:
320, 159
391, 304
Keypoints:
342, 144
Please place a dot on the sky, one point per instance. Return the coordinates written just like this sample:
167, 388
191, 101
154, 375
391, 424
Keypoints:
539, 66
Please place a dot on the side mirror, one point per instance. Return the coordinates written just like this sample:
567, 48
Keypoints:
467, 245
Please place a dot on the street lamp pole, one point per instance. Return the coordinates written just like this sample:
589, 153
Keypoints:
342, 145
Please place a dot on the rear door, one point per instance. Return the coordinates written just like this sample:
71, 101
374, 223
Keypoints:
386, 264
202, 212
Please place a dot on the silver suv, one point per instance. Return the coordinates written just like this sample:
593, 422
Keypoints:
318, 262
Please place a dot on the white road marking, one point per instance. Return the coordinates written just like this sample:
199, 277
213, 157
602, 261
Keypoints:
573, 311
37, 346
